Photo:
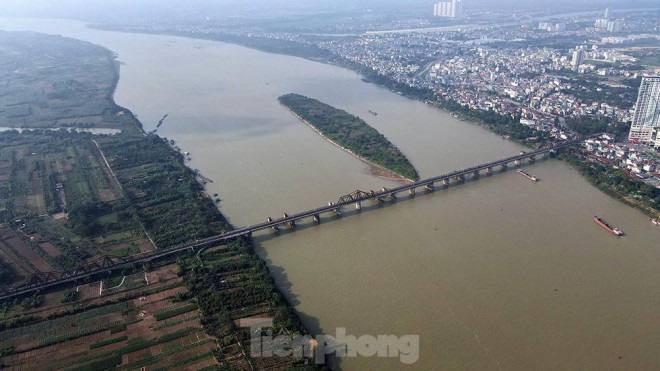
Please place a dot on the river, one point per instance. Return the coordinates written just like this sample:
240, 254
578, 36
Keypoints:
499, 273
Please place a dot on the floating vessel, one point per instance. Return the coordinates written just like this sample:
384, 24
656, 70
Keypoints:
609, 228
655, 221
373, 112
530, 177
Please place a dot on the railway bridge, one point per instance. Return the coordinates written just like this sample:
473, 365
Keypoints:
43, 280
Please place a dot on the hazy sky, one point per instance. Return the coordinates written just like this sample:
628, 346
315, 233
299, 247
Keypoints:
98, 10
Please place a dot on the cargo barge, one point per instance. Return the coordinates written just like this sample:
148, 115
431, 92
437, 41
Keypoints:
602, 223
530, 177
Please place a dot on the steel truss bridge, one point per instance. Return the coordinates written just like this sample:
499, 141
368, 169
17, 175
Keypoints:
43, 280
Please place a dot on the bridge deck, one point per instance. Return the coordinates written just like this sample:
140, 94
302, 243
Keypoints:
74, 275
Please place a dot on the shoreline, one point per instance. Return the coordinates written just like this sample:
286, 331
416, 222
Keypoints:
376, 170
361, 73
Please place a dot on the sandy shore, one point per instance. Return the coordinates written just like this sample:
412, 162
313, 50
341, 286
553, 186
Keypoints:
374, 168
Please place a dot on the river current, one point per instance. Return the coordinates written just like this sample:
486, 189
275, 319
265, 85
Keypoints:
499, 273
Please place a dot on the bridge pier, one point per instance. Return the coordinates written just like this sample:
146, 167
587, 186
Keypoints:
411, 192
489, 171
337, 211
358, 206
517, 163
505, 167
316, 218
430, 187
275, 228
460, 178
532, 159
445, 183
476, 174
291, 224
392, 196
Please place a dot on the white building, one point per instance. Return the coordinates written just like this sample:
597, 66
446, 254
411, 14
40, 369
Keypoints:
614, 26
646, 120
450, 9
578, 58
608, 25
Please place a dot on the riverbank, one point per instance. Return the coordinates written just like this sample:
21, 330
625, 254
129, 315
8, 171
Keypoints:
616, 184
507, 127
125, 194
352, 134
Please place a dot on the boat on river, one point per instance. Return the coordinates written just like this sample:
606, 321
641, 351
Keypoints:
609, 228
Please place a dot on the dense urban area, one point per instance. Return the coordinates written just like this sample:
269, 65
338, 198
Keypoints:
547, 79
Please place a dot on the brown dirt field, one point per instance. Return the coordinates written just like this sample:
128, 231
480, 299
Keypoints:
162, 274
50, 249
106, 195
146, 246
58, 351
21, 268
130, 357
20, 154
206, 362
159, 306
89, 291
184, 355
36, 237
128, 292
190, 322
153, 298
36, 260
59, 217
141, 329
181, 326
5, 171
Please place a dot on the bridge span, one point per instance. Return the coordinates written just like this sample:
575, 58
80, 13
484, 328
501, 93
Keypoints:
43, 280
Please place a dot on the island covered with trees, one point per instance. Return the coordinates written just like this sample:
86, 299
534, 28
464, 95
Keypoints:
350, 133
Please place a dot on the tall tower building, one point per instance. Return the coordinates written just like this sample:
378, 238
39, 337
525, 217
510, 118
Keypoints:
646, 121
449, 9
458, 8
608, 13
578, 58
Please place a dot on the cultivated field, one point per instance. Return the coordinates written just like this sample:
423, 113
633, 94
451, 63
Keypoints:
144, 326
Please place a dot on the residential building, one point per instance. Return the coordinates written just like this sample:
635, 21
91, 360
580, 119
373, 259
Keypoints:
646, 120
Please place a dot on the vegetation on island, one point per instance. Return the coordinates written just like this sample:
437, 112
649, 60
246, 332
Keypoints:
68, 198
351, 132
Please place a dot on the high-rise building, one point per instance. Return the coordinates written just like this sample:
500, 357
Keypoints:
608, 13
608, 25
646, 120
614, 26
601, 24
578, 58
451, 9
